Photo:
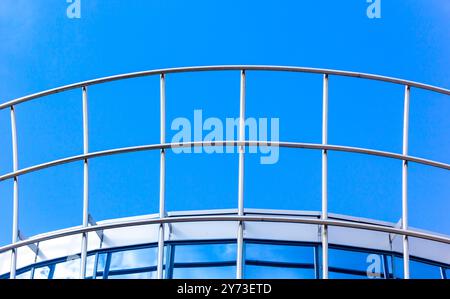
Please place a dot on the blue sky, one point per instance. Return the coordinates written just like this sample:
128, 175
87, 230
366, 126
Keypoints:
41, 48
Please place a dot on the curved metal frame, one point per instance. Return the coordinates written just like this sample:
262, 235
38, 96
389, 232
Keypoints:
324, 222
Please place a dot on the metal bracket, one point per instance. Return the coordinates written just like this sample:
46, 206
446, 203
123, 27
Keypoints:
392, 236
92, 222
33, 247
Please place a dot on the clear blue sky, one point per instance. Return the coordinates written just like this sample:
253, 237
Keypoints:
41, 48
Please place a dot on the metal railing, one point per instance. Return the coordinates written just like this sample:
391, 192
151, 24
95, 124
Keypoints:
241, 143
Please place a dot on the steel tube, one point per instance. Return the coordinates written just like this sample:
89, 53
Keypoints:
15, 225
405, 184
225, 68
299, 145
84, 239
272, 219
162, 183
240, 233
325, 178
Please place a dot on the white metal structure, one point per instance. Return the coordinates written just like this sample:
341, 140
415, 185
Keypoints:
241, 224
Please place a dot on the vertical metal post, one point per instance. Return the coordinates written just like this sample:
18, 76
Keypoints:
240, 234
325, 178
84, 240
162, 182
15, 226
405, 184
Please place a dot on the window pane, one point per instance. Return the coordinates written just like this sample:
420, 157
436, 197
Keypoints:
144, 275
424, 271
25, 275
263, 272
336, 275
42, 272
131, 259
397, 266
205, 253
205, 272
279, 261
204, 261
279, 253
350, 264
68, 270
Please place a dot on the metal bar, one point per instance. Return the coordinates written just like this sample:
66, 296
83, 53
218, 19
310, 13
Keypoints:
316, 263
107, 266
225, 68
240, 233
170, 258
84, 240
443, 273
15, 225
385, 266
162, 176
405, 184
272, 219
324, 215
299, 145
33, 247
95, 270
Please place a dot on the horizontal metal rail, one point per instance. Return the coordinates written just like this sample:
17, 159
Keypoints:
183, 219
224, 143
224, 68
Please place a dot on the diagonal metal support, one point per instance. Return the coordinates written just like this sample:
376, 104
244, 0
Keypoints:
92, 222
33, 247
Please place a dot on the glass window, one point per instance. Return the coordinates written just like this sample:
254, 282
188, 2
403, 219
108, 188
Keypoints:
25, 275
42, 272
70, 269
144, 275
263, 272
219, 272
278, 261
132, 259
202, 261
419, 270
204, 253
354, 264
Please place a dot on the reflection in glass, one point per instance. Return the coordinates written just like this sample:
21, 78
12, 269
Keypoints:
279, 261
42, 272
70, 269
355, 264
202, 261
130, 259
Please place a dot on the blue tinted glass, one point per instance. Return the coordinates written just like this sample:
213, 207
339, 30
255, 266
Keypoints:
397, 266
420, 270
447, 273
279, 253
264, 272
130, 259
25, 275
204, 261
41, 273
205, 272
205, 253
144, 275
278, 261
101, 262
345, 263
336, 275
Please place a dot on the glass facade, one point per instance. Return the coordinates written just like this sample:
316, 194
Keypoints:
217, 260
